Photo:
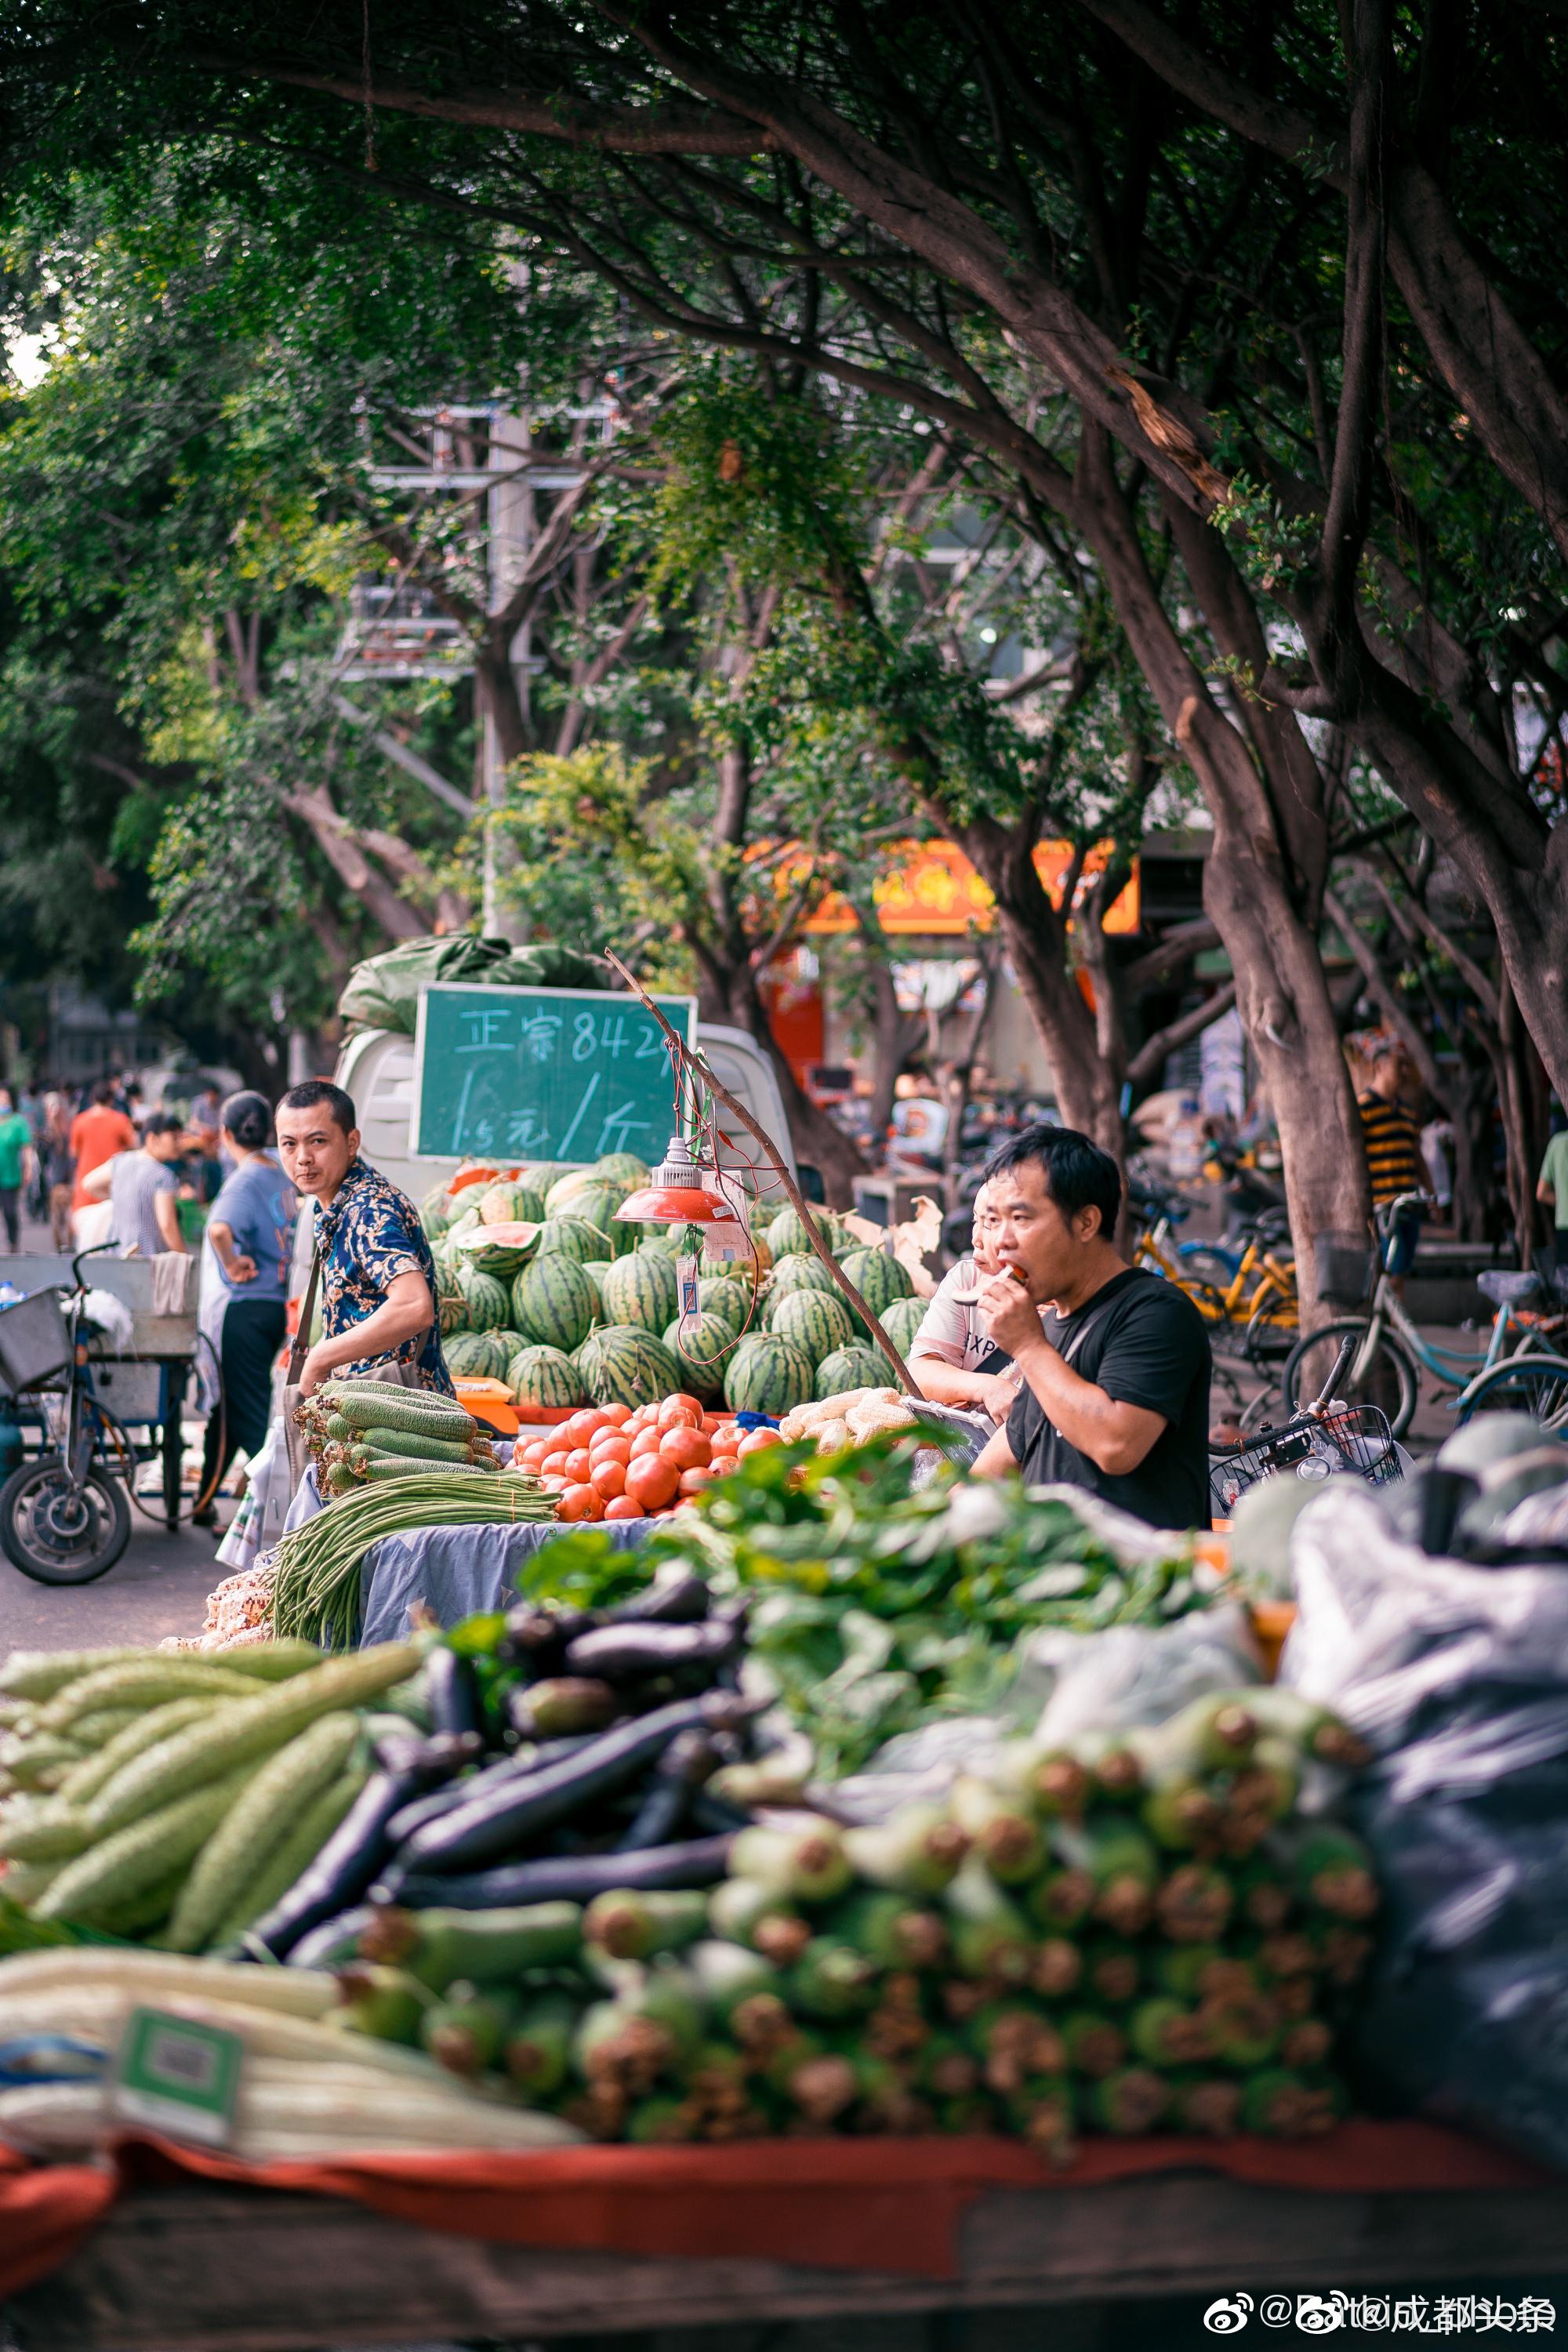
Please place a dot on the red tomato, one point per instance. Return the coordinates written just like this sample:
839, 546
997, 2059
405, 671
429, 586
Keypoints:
725, 1439
755, 1439
639, 1420
608, 1478
552, 1483
610, 1446
693, 1481
617, 1415
709, 1424
652, 1481
532, 1455
687, 1448
583, 1426
580, 1502
555, 1461
625, 1506
645, 1442
577, 1464
678, 1408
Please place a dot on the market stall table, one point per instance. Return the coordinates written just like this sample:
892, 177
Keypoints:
611, 2239
453, 1572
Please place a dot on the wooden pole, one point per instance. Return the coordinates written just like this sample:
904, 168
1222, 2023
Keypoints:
686, 1059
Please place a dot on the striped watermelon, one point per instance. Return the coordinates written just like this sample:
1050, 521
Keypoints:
510, 1205
769, 1375
640, 1289
802, 1272
703, 1347
485, 1298
436, 1212
622, 1170
787, 1236
571, 1237
853, 1368
718, 1295
540, 1174
475, 1356
500, 1250
544, 1376
814, 1322
567, 1194
623, 1364
664, 1240
451, 1307
467, 1221
878, 1277
552, 1302
903, 1320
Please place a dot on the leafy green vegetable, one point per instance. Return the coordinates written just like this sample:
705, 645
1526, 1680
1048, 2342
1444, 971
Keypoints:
876, 1605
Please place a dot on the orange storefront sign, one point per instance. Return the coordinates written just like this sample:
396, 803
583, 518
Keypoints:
931, 889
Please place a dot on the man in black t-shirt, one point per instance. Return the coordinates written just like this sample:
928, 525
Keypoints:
1116, 1380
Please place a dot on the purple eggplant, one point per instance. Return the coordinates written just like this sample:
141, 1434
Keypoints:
678, 1596
502, 1821
356, 1849
569, 1877
686, 1763
620, 1653
452, 1692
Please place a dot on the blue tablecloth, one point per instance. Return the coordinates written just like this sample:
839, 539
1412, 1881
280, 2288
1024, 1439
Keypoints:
453, 1571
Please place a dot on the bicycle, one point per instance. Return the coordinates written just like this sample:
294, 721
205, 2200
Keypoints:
1320, 1439
65, 1517
1259, 1293
1529, 1376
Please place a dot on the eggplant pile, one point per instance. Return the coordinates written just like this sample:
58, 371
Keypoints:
1133, 1932
596, 1749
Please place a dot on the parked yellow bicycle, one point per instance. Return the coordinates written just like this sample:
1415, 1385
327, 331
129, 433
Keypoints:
1256, 1310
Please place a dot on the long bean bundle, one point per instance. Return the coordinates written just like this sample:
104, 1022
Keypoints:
316, 1567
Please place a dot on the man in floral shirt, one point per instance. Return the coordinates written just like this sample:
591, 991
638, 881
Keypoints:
378, 1278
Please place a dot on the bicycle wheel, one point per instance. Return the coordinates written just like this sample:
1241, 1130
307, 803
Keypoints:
1206, 1265
1536, 1385
1272, 1330
1382, 1376
59, 1532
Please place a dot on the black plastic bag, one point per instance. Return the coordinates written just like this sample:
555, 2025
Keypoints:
1458, 1677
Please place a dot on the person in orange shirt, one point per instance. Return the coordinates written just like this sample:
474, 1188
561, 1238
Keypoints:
97, 1134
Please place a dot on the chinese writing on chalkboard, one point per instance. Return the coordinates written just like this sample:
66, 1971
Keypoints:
542, 1075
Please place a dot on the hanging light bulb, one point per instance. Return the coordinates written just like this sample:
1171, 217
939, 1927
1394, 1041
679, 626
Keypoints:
682, 1191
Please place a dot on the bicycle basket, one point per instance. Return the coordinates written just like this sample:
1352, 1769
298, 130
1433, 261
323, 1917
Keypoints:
1358, 1441
1343, 1265
35, 1341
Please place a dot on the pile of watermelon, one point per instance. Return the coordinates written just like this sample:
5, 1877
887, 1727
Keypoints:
614, 1463
540, 1286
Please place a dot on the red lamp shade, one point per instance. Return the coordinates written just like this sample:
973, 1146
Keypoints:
678, 1193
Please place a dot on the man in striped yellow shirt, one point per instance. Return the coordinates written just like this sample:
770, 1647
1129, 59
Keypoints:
1393, 1160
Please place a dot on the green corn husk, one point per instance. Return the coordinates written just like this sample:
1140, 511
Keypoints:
1281, 2105
1194, 1905
1014, 2043
1332, 1871
1056, 1969
831, 1979
809, 1864
662, 2122
536, 2052
815, 2082
744, 1912
1041, 2112
1243, 2030
743, 1991
1060, 1898
465, 2030
442, 1947
386, 2003
1128, 2103
634, 1926
1205, 2105
1113, 1970
1164, 2032
1263, 1900
1124, 1864
917, 1850
947, 2068
1000, 1832
1310, 1730
1095, 2045
891, 1929
991, 1938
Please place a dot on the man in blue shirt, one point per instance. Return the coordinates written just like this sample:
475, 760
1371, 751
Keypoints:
377, 1276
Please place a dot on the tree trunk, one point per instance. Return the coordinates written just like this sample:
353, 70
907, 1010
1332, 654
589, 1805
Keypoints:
505, 735
1282, 988
818, 1139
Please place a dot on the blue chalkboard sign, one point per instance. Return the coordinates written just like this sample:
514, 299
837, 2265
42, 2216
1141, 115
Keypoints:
543, 1074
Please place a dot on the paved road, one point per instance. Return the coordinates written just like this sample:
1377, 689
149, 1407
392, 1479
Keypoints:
159, 1587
